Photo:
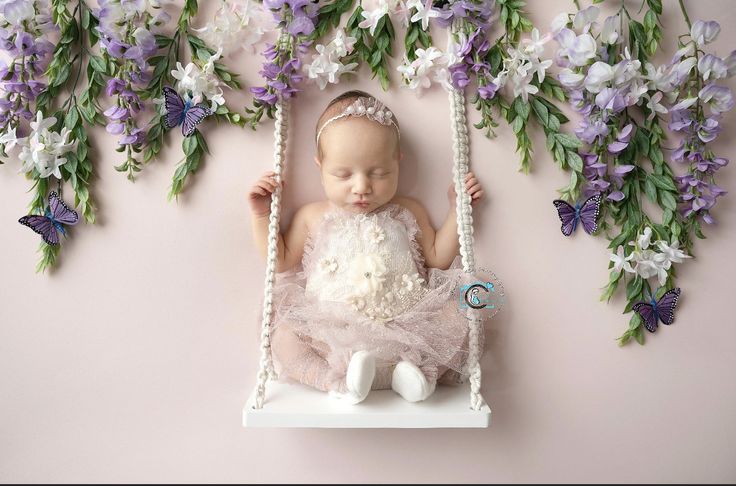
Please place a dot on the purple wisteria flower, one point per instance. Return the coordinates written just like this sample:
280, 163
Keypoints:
24, 28
282, 67
698, 120
127, 35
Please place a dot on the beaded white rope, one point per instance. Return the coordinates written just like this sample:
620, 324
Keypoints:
370, 108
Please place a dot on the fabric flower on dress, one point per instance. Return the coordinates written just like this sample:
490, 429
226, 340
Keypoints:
376, 234
328, 265
366, 274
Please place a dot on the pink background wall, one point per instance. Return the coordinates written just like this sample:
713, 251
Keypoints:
133, 360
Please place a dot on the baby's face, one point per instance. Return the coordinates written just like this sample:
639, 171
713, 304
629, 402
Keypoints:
360, 164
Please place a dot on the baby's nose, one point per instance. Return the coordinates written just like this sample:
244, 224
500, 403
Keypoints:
362, 185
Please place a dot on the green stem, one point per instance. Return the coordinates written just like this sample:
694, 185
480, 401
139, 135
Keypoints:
684, 14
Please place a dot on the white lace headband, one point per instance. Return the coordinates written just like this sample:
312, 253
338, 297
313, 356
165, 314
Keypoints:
370, 108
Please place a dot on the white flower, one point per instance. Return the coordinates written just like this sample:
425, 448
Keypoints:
619, 261
535, 45
366, 274
9, 139
646, 265
237, 24
704, 32
644, 238
18, 11
570, 79
673, 254
582, 50
357, 302
584, 18
201, 84
598, 76
609, 34
328, 265
376, 234
326, 66
710, 65
372, 16
424, 13
654, 105
43, 149
559, 22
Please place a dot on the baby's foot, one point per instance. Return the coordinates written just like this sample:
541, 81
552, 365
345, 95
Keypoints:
359, 378
409, 382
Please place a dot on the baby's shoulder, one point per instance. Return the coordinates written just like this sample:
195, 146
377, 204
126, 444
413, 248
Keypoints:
413, 206
311, 213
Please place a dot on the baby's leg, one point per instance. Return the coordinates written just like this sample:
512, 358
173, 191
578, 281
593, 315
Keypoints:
299, 360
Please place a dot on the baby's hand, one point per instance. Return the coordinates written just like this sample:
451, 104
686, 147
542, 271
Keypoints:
260, 194
471, 185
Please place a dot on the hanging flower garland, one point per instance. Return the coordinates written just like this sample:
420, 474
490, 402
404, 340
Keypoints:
624, 100
49, 131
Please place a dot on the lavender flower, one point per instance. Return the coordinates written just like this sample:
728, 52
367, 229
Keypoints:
24, 27
127, 35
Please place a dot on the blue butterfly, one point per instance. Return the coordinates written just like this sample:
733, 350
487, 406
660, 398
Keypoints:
179, 112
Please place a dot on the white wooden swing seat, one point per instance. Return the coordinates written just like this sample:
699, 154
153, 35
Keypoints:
299, 406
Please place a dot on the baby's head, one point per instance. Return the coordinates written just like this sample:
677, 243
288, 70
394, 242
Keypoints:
358, 156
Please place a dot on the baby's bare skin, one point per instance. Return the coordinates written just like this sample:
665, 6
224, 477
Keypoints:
359, 171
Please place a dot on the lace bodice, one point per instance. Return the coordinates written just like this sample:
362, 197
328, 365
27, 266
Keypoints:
371, 261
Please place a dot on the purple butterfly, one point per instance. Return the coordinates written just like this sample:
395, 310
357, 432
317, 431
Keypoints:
664, 310
50, 224
587, 213
179, 112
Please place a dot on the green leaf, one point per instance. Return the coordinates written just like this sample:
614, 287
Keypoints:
189, 145
650, 189
71, 119
518, 124
568, 141
668, 200
575, 161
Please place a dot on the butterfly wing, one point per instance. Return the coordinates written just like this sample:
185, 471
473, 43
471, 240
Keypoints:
589, 213
174, 108
194, 117
567, 215
646, 311
43, 226
666, 306
61, 212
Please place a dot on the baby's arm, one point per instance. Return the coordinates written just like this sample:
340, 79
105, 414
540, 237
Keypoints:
291, 243
440, 247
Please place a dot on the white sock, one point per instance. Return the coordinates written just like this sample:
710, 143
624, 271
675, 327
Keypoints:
409, 382
359, 378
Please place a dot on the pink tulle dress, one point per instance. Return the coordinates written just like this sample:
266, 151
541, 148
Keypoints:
363, 285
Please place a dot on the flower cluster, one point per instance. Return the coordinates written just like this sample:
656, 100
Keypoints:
697, 117
282, 69
24, 26
200, 84
430, 65
326, 66
647, 261
237, 24
127, 36
470, 46
43, 149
